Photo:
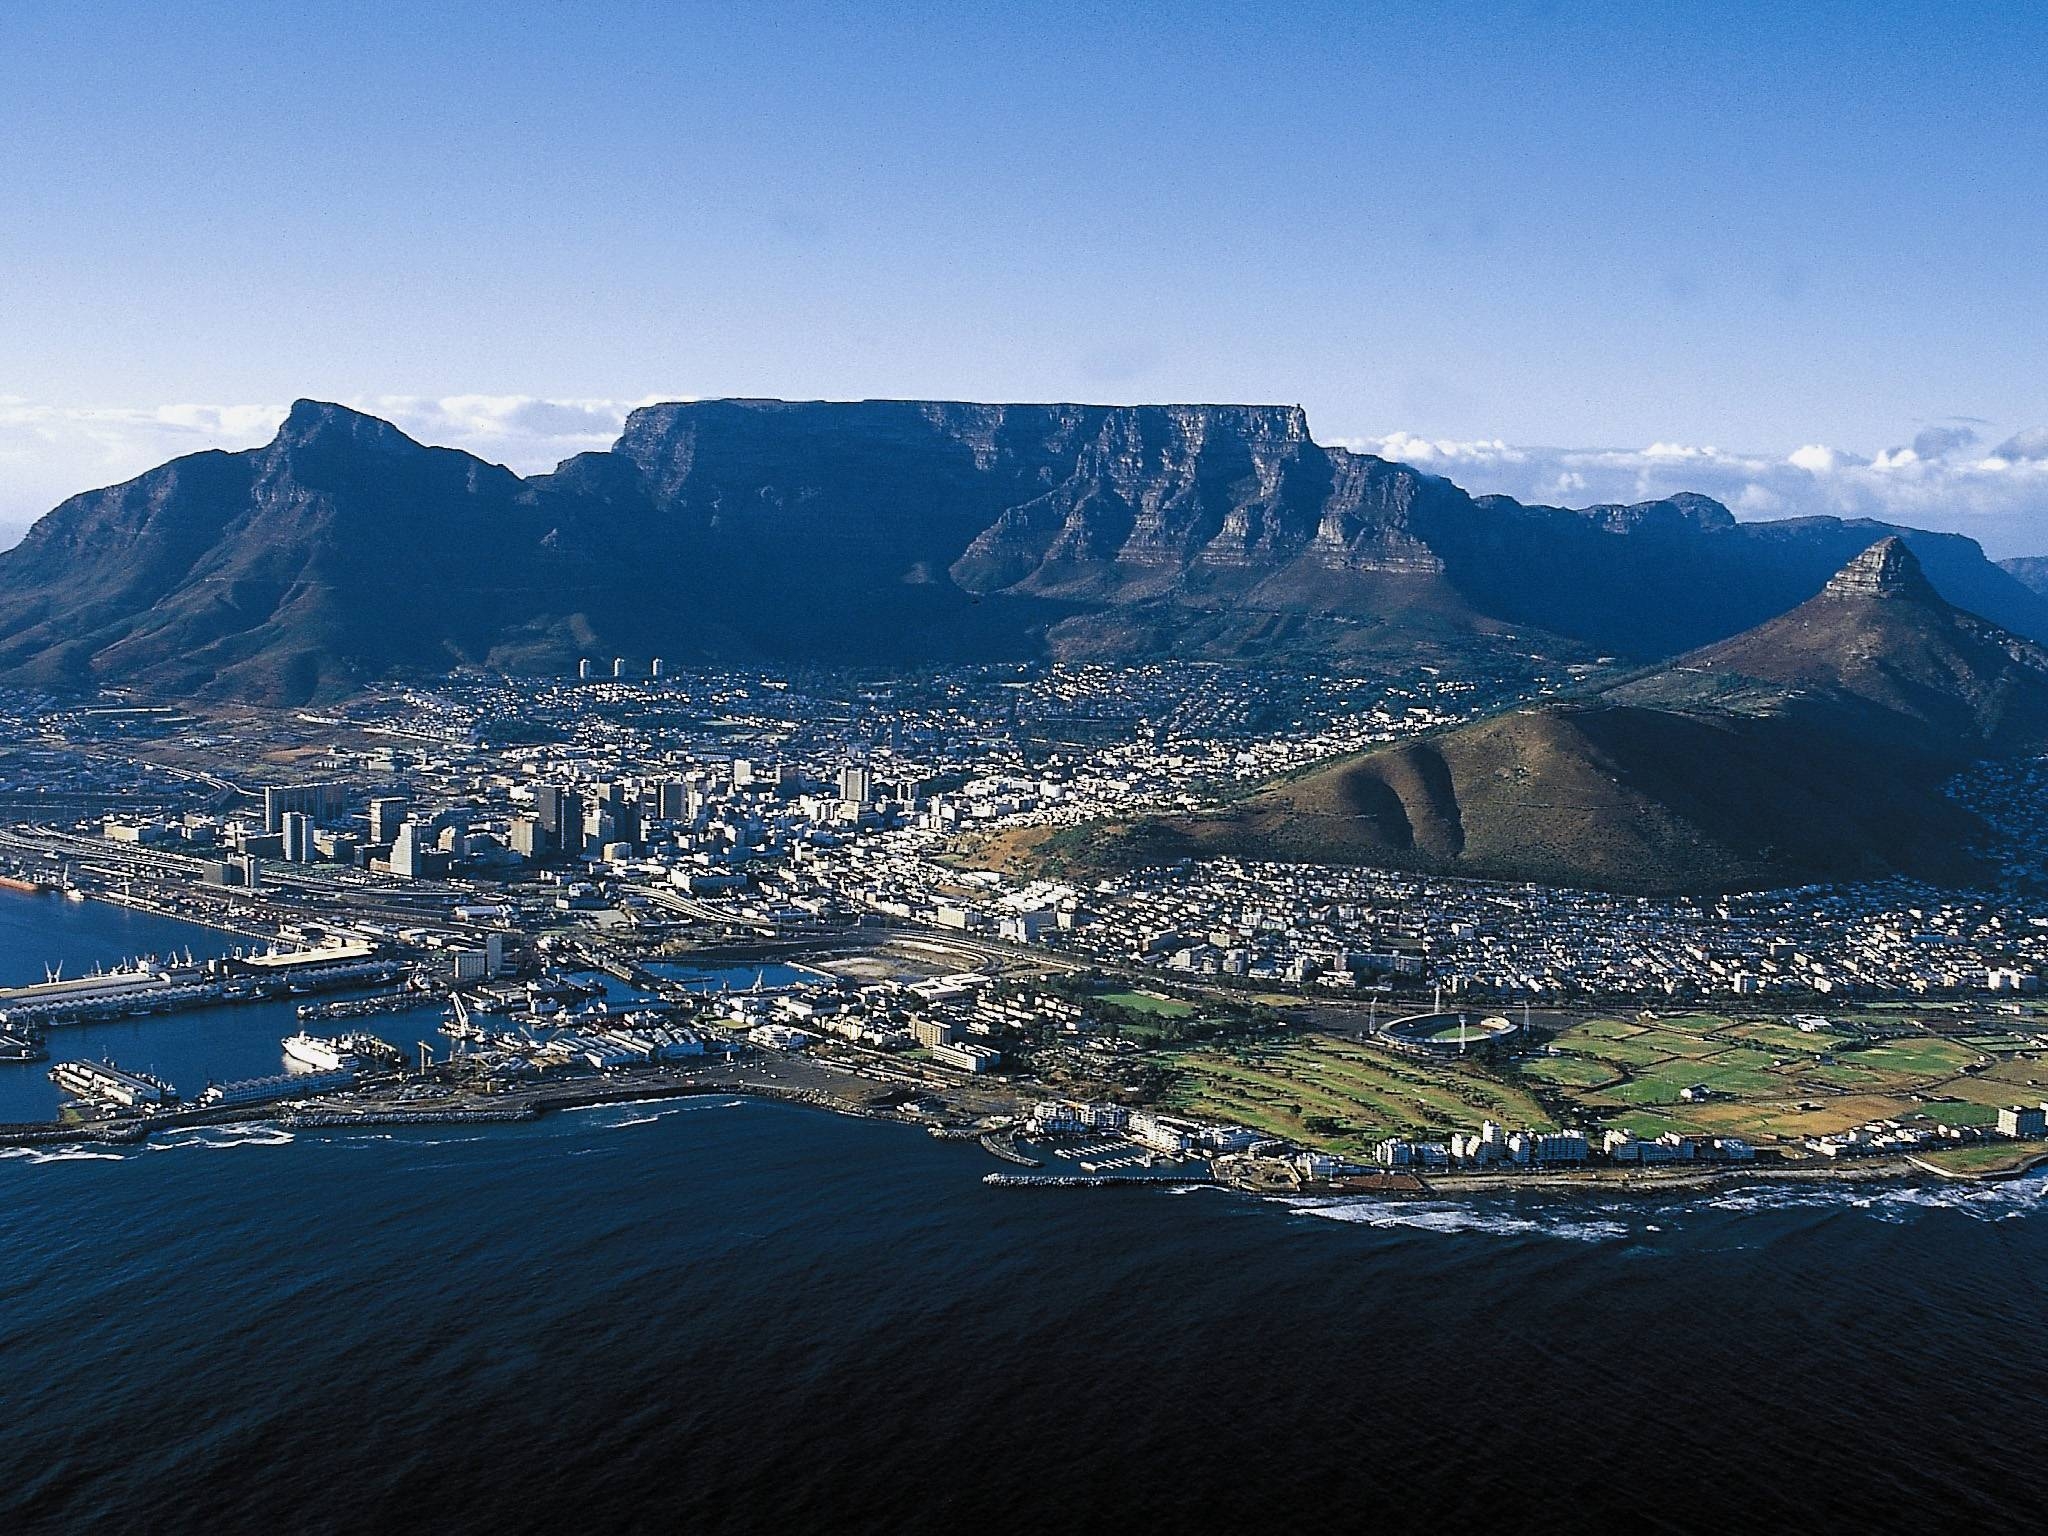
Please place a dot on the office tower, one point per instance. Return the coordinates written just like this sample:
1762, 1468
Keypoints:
583, 670
387, 813
298, 837
654, 669
531, 840
624, 813
856, 783
406, 849
618, 667
560, 812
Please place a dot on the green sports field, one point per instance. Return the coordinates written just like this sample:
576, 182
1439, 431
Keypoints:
1356, 1093
1766, 1078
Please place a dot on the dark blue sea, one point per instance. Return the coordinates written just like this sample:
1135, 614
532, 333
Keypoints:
722, 1315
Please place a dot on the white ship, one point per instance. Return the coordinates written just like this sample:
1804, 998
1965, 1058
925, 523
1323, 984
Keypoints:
319, 1053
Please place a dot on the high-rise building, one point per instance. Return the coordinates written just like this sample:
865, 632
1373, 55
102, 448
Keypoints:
405, 852
654, 669
618, 667
856, 783
672, 799
531, 840
622, 809
387, 814
322, 802
560, 813
742, 772
298, 837
583, 669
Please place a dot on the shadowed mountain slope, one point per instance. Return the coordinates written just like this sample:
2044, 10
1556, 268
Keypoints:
1810, 748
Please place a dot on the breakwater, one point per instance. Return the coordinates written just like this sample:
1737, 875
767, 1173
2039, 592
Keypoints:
342, 1120
1006, 1149
1091, 1181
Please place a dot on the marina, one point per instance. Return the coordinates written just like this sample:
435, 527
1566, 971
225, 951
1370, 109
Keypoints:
216, 1041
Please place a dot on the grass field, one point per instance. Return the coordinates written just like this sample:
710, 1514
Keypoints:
1148, 1002
1768, 1079
1572, 1071
1366, 1092
1986, 1157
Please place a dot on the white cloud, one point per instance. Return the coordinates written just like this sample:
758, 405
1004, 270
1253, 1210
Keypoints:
528, 432
1939, 441
2000, 499
2030, 446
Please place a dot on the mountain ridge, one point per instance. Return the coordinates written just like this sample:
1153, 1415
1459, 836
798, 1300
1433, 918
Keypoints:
873, 532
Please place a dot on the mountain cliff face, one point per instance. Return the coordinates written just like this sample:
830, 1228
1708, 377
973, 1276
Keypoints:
876, 532
1810, 748
2030, 571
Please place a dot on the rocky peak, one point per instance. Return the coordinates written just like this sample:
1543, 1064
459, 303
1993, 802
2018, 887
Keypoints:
322, 422
1886, 569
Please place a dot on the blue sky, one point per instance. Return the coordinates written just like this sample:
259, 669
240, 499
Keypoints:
1540, 241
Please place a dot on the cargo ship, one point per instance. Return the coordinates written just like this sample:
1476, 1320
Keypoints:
17, 883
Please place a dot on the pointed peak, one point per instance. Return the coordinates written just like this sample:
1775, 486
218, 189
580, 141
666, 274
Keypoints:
1886, 569
321, 420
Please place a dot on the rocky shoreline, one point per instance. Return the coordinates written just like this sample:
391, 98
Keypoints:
530, 1106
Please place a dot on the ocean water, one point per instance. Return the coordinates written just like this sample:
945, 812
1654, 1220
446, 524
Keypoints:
716, 1314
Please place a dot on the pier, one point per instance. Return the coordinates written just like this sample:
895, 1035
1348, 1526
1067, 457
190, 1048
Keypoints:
1092, 1180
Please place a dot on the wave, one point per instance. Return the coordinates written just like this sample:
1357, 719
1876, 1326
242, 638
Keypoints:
62, 1154
2002, 1201
1609, 1221
221, 1137
1452, 1217
670, 1107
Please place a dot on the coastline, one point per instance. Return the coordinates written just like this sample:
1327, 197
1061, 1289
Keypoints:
528, 1108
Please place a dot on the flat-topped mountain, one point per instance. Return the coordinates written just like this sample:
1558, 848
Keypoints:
876, 533
1809, 748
